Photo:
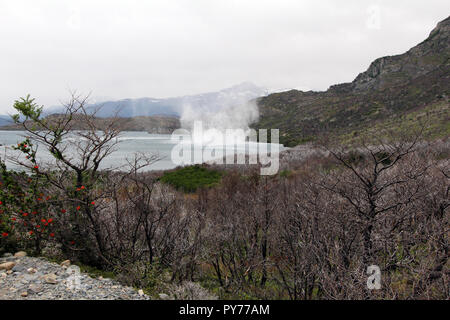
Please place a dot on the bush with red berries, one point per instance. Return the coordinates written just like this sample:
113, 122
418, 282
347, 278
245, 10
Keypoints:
24, 205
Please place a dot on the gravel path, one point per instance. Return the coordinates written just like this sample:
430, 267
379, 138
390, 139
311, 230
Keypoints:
29, 278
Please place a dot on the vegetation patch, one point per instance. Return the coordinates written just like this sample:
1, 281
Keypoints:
191, 178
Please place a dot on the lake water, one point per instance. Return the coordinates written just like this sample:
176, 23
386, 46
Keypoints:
130, 142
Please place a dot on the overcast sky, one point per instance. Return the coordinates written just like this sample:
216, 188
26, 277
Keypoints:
131, 49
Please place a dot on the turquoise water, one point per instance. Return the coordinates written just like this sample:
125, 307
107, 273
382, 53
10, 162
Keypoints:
128, 144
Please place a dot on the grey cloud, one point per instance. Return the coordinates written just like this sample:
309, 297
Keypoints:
131, 49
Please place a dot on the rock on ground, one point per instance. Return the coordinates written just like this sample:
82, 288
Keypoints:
38, 279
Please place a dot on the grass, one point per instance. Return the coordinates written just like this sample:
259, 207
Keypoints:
93, 272
190, 179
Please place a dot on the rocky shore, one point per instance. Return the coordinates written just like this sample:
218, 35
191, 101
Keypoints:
23, 277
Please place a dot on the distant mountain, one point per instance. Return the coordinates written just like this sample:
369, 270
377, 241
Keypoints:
212, 101
394, 91
154, 124
160, 115
5, 120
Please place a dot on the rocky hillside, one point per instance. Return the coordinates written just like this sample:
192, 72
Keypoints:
155, 124
394, 91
